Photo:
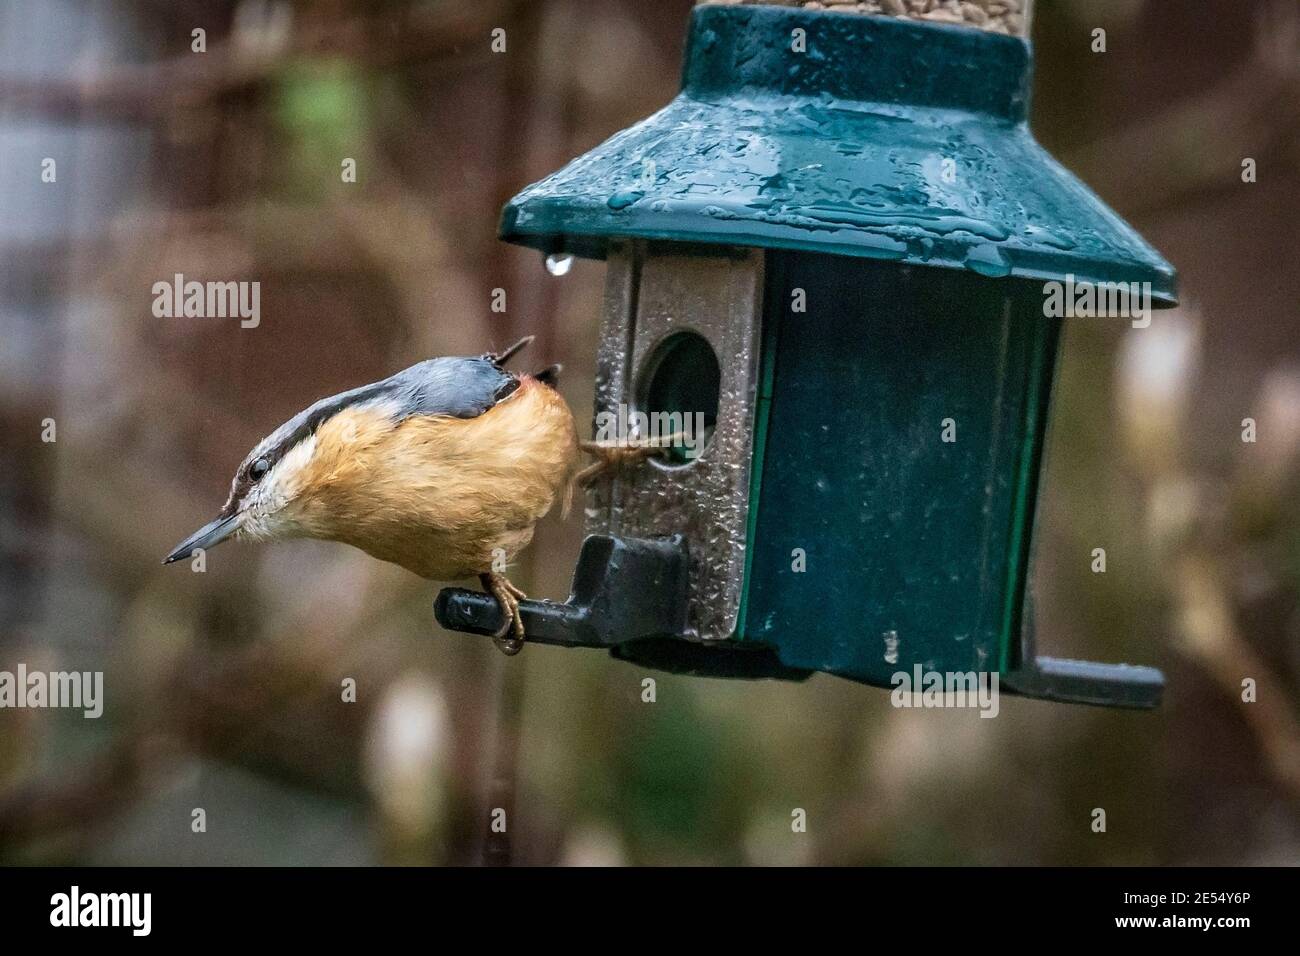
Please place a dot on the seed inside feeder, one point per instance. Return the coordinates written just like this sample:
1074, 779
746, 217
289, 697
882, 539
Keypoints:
996, 16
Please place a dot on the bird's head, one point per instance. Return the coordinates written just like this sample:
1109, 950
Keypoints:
266, 492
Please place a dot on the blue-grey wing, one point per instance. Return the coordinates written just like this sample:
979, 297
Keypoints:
457, 387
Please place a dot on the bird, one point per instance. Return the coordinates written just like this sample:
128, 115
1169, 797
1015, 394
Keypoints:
443, 469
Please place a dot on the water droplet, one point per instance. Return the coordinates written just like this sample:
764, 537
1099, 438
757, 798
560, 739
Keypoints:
1040, 234
987, 260
559, 263
891, 647
624, 198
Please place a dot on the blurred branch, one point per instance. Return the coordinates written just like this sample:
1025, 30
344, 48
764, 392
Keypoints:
1197, 548
154, 90
1209, 637
272, 705
103, 786
1203, 140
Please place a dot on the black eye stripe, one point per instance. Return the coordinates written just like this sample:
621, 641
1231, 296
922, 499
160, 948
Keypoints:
252, 474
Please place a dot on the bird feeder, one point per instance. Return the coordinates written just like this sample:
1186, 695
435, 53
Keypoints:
834, 246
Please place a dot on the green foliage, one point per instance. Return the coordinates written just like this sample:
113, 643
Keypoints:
323, 110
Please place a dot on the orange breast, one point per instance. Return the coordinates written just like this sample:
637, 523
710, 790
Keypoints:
442, 497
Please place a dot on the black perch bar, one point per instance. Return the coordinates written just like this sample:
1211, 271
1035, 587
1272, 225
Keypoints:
630, 597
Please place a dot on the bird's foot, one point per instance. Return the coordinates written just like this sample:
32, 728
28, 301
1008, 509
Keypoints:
508, 596
613, 457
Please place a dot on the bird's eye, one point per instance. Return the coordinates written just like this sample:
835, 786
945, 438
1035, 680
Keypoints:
258, 468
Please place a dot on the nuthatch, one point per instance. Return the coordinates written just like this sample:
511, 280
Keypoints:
443, 468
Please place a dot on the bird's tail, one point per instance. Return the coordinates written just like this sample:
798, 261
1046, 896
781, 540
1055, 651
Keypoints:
500, 358
549, 375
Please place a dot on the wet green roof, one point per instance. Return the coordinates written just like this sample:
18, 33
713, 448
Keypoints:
882, 138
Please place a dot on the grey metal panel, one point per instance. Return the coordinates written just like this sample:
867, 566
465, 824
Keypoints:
651, 293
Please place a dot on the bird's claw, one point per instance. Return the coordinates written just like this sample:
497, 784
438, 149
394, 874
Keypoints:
508, 597
612, 458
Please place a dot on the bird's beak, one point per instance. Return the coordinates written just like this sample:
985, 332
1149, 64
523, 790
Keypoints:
209, 536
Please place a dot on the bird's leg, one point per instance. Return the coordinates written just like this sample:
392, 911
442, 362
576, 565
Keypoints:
508, 596
612, 457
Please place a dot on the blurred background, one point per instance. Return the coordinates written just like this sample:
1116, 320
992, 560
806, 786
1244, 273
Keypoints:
224, 689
